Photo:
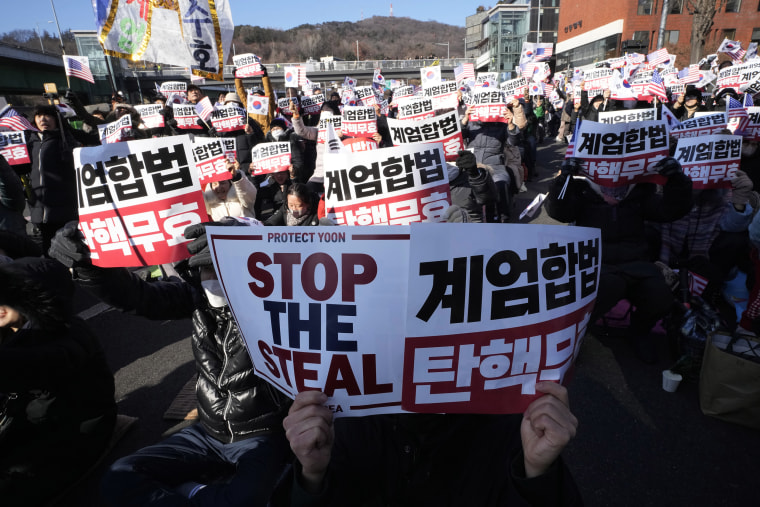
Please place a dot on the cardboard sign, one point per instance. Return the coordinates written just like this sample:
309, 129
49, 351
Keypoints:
710, 161
247, 65
117, 131
358, 121
752, 130
210, 160
135, 200
444, 128
392, 186
464, 336
283, 105
270, 158
151, 115
365, 95
13, 147
403, 92
622, 153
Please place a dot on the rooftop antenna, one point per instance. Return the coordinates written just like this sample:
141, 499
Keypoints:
391, 10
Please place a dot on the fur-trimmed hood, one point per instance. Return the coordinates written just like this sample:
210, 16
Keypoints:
39, 289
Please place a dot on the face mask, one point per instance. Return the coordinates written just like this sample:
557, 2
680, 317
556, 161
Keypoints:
277, 133
214, 293
296, 212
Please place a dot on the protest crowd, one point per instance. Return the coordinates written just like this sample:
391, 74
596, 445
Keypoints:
661, 163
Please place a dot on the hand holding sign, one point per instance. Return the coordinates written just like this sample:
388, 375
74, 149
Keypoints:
547, 427
309, 429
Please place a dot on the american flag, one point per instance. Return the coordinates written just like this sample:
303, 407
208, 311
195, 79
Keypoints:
658, 57
748, 102
10, 118
204, 108
527, 70
737, 55
464, 71
543, 52
548, 89
656, 87
78, 66
735, 111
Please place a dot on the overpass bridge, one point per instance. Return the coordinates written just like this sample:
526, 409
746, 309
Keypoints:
24, 70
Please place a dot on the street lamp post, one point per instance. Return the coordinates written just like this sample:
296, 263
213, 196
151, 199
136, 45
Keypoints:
39, 36
443, 44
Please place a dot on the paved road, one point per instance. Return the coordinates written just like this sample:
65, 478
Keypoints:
636, 446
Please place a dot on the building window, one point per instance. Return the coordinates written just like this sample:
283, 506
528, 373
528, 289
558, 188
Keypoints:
642, 37
671, 37
733, 5
676, 6
645, 7
729, 33
755, 35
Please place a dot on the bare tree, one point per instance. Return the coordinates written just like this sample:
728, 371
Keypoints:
703, 12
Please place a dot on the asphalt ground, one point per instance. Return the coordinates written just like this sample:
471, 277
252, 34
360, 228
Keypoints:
637, 445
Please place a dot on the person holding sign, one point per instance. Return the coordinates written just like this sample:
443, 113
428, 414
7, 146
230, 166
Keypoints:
688, 104
628, 271
264, 120
430, 459
235, 197
236, 451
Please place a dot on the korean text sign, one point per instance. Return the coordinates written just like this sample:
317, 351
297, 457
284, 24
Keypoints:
210, 159
13, 147
426, 318
392, 186
135, 200
444, 128
710, 161
621, 153
270, 158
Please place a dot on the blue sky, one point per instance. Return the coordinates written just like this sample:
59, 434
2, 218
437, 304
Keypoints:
78, 14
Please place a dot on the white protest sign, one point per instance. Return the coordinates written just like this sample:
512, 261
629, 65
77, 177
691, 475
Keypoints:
752, 131
13, 147
709, 124
486, 321
621, 153
168, 88
392, 186
186, 116
444, 95
307, 304
117, 131
151, 115
312, 104
358, 121
270, 158
229, 118
415, 109
488, 106
627, 115
710, 161
247, 65
737, 76
444, 128
135, 200
514, 88
210, 159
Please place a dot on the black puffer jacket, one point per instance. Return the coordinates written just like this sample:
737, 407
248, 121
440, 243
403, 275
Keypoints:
233, 403
53, 179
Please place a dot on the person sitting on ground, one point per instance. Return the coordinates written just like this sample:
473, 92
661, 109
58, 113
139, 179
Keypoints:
628, 270
56, 389
235, 197
430, 459
236, 451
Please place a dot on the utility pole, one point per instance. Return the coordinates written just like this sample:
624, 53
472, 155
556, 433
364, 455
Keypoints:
357, 50
40, 37
663, 21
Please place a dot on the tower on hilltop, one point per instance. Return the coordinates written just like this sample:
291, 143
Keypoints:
391, 10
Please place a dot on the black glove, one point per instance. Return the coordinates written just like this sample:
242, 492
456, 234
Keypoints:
172, 123
572, 166
68, 247
265, 71
467, 162
212, 132
668, 167
198, 248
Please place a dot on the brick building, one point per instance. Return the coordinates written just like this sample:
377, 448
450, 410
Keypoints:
594, 30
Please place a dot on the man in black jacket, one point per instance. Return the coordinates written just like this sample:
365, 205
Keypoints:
234, 455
